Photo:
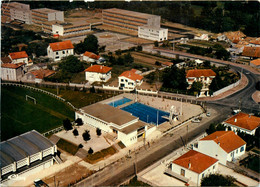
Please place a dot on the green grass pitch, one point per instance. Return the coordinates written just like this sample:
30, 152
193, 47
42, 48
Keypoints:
19, 116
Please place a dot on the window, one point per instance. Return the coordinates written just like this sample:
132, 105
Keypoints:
242, 149
214, 167
183, 172
237, 151
57, 53
63, 52
126, 80
122, 80
202, 175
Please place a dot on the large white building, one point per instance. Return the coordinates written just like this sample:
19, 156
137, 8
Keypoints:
28, 152
194, 166
152, 33
59, 50
98, 73
12, 72
130, 79
222, 145
243, 122
110, 119
19, 57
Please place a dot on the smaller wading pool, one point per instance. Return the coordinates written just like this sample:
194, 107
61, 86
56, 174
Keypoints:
119, 102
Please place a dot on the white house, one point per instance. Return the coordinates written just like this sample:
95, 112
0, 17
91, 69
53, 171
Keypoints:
59, 50
90, 57
130, 79
98, 73
152, 33
222, 145
202, 37
12, 71
194, 166
19, 57
201, 75
198, 62
113, 120
243, 122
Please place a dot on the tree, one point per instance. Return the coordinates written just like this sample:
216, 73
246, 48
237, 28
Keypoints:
139, 48
157, 63
156, 43
91, 43
98, 131
67, 124
75, 132
206, 64
128, 59
71, 64
90, 151
213, 127
196, 86
79, 121
118, 52
86, 135
218, 180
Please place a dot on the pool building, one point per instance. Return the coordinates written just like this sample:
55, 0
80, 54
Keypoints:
111, 119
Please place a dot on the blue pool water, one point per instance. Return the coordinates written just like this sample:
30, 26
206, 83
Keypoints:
146, 113
119, 102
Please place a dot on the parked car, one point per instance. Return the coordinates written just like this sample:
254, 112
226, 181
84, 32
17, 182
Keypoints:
208, 114
195, 120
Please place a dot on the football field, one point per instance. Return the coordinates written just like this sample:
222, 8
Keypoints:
19, 115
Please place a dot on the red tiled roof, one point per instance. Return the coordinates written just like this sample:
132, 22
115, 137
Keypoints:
41, 73
235, 36
91, 55
131, 75
256, 62
255, 41
17, 55
198, 162
251, 52
58, 46
98, 69
244, 121
200, 72
228, 140
12, 66
167, 63
6, 59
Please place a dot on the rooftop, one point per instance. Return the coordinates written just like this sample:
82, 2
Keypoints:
195, 161
129, 13
91, 55
22, 146
41, 73
12, 66
6, 59
200, 73
45, 10
131, 75
256, 62
251, 52
227, 140
108, 113
98, 69
133, 127
17, 55
58, 46
244, 121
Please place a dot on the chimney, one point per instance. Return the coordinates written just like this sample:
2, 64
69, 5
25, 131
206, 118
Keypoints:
235, 120
189, 164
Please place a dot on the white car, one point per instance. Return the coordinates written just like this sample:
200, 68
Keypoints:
208, 114
195, 120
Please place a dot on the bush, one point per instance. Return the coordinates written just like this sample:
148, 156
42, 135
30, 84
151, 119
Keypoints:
98, 131
79, 121
75, 132
90, 151
67, 124
86, 135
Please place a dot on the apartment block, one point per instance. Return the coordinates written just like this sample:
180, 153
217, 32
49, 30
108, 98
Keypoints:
129, 19
42, 16
17, 11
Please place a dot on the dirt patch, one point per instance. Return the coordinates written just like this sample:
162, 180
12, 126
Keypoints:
105, 36
68, 176
137, 41
147, 59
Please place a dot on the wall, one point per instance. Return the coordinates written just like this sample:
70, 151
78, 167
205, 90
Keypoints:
23, 60
235, 128
127, 139
236, 153
128, 83
154, 21
86, 58
57, 29
94, 76
226, 88
155, 34
8, 74
58, 55
212, 149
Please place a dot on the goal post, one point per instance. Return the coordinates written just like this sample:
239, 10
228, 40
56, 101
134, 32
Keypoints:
32, 98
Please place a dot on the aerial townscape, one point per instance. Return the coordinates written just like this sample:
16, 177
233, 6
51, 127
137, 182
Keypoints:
130, 93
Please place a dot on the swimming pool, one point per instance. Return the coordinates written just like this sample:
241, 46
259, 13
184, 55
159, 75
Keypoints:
119, 102
146, 113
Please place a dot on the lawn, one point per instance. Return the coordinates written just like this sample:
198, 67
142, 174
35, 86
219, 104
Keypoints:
79, 99
20, 116
67, 146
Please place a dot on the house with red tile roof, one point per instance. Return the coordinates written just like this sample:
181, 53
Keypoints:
251, 52
255, 63
193, 166
90, 57
243, 122
222, 145
98, 73
130, 79
11, 71
19, 57
201, 75
59, 50
38, 75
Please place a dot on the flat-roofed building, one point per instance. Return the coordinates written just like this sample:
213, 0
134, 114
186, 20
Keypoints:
42, 16
59, 50
152, 33
17, 11
25, 153
129, 19
110, 119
